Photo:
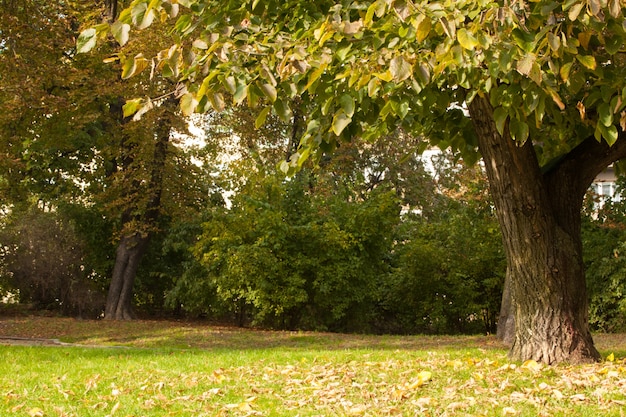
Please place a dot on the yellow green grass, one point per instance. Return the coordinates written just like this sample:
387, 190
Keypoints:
161, 368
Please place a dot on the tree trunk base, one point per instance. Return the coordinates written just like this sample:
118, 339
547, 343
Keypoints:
550, 339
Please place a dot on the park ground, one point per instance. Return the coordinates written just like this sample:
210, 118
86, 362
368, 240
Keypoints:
74, 368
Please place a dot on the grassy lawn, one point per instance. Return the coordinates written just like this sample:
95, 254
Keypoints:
157, 368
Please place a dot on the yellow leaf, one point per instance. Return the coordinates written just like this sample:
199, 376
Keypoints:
466, 39
357, 410
385, 76
36, 412
509, 411
422, 25
611, 358
587, 60
424, 376
532, 365
188, 104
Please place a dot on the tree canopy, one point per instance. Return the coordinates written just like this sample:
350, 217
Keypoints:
553, 70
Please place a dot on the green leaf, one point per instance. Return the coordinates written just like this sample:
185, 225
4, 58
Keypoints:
400, 69
587, 60
613, 44
500, 115
282, 110
315, 75
304, 155
565, 70
466, 39
269, 91
605, 115
519, 130
609, 133
86, 40
260, 120
347, 104
141, 16
240, 93
120, 32
523, 39
342, 53
423, 72
340, 121
187, 3
184, 24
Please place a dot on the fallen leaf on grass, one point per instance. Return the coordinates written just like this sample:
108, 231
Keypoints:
532, 365
36, 412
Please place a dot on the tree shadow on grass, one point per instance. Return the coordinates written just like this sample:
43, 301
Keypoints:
166, 334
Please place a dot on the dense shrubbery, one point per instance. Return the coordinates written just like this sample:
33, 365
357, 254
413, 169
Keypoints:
314, 252
48, 263
284, 259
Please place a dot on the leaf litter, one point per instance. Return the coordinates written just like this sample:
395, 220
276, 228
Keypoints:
304, 380
350, 384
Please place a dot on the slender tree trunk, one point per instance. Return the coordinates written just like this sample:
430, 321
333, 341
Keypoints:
133, 243
128, 256
539, 214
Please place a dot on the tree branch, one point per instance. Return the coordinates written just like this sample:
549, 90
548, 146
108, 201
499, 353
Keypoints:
583, 163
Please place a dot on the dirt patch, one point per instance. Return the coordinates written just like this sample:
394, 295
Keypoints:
28, 341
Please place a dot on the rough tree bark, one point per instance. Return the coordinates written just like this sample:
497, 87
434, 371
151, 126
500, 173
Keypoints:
506, 319
540, 217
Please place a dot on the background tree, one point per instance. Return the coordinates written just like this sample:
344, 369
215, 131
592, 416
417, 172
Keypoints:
603, 242
449, 262
66, 141
541, 81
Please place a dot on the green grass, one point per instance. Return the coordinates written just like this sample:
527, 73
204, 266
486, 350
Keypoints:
182, 369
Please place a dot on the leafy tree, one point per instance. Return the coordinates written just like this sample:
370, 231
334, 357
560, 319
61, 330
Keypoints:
300, 253
66, 140
603, 241
449, 261
537, 87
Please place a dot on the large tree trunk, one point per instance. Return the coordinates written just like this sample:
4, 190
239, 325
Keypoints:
539, 214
